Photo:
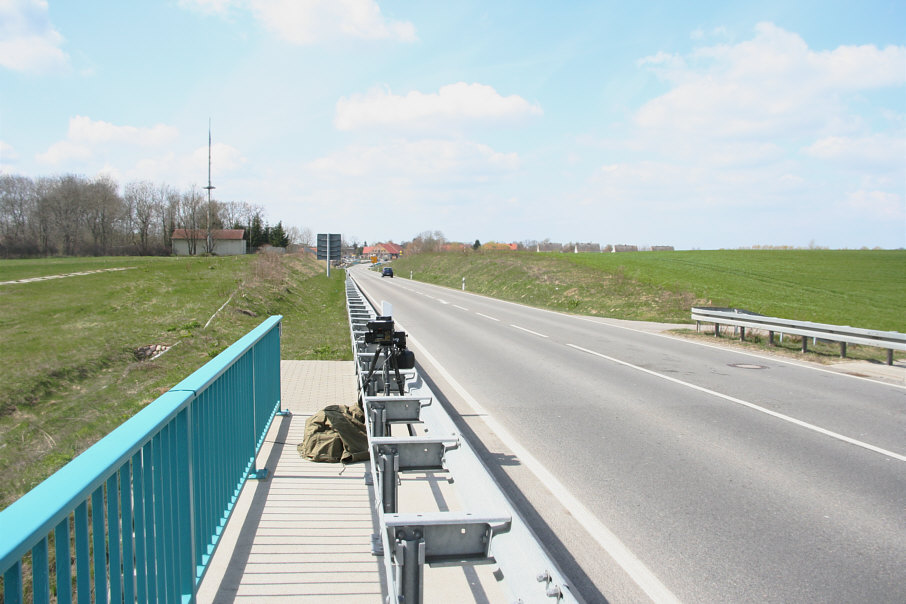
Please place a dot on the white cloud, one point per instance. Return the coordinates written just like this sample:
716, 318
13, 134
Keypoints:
85, 130
452, 104
64, 151
313, 21
752, 129
768, 86
418, 161
86, 138
224, 158
873, 151
28, 41
877, 204
7, 153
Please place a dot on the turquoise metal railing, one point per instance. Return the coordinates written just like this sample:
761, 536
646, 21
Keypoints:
137, 516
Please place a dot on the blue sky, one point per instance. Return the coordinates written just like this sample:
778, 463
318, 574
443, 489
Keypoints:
699, 125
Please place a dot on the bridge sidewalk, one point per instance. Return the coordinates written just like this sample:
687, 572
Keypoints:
305, 532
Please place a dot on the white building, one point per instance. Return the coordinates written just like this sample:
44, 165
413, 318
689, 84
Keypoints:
227, 242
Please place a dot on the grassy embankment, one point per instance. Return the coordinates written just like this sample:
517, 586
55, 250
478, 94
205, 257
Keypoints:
68, 372
862, 288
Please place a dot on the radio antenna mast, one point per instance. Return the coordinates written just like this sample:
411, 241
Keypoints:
209, 188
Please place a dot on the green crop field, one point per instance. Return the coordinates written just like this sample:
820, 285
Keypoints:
68, 367
861, 288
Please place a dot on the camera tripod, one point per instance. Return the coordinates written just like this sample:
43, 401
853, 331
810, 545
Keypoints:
391, 352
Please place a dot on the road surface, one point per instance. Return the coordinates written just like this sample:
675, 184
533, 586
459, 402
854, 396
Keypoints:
666, 469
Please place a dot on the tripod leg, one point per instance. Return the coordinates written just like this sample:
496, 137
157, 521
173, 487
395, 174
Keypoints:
400, 382
374, 361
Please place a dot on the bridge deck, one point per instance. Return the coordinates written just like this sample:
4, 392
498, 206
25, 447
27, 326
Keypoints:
305, 532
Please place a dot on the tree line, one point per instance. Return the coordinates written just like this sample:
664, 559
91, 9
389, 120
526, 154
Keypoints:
73, 215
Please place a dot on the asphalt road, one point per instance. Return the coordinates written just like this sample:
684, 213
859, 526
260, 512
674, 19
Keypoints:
662, 468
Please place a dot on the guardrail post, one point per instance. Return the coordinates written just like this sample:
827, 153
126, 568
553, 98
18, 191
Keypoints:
771, 338
842, 350
410, 556
804, 344
890, 356
377, 420
389, 460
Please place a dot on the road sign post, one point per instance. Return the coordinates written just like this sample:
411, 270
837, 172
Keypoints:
328, 248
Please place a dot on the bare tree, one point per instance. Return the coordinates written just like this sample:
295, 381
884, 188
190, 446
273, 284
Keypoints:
167, 200
306, 238
140, 200
103, 208
66, 203
18, 201
190, 217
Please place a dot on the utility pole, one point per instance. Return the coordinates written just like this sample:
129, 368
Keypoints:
209, 246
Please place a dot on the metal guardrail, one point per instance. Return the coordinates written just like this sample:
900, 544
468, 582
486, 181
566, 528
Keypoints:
891, 340
149, 501
487, 528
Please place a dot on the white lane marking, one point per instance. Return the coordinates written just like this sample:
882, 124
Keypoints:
487, 317
534, 333
442, 301
461, 307
774, 358
430, 296
764, 410
635, 568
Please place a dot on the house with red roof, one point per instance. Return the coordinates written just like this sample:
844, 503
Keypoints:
384, 251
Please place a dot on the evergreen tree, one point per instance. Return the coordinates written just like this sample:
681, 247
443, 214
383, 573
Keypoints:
257, 234
278, 236
477, 245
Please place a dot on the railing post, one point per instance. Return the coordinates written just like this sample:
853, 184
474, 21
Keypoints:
257, 473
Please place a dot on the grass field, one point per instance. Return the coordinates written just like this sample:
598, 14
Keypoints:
861, 288
68, 370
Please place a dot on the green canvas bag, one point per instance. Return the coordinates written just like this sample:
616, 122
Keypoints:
335, 434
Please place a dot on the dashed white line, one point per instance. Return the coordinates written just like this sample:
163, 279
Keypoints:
534, 333
461, 307
442, 301
487, 317
753, 406
622, 555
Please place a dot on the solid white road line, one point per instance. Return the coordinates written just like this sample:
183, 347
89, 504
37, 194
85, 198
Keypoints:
758, 408
487, 317
535, 333
635, 568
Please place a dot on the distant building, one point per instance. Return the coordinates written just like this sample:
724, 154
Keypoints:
625, 248
227, 242
661, 248
384, 251
579, 248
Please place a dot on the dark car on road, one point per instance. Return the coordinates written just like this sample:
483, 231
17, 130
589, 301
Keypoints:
387, 272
